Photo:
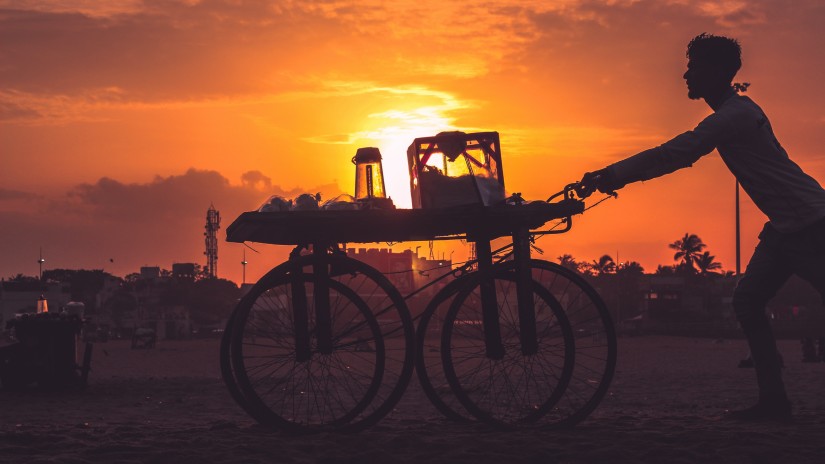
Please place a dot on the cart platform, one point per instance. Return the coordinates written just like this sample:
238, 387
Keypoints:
398, 225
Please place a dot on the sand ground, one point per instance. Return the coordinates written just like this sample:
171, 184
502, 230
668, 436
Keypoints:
169, 405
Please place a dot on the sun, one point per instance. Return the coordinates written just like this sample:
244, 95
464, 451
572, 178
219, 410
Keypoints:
398, 132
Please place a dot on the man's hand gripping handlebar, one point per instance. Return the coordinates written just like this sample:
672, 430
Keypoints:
600, 180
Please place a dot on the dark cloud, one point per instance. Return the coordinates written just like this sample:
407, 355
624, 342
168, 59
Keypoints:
167, 51
256, 180
157, 223
177, 196
8, 194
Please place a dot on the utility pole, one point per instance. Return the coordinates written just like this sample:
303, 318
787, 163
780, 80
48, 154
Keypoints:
40, 263
618, 292
244, 263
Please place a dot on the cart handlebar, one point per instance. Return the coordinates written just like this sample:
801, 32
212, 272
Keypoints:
567, 193
575, 191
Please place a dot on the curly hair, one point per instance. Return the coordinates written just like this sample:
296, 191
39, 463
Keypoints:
724, 52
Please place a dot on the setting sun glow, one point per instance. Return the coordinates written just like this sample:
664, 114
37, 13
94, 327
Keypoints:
121, 122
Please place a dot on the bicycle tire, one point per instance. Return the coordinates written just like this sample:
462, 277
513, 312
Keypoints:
428, 368
382, 302
515, 390
594, 345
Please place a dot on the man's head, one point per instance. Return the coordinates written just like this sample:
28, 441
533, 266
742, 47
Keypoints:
712, 63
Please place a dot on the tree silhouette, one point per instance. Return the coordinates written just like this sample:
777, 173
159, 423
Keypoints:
688, 248
569, 262
604, 265
706, 263
665, 270
631, 268
212, 300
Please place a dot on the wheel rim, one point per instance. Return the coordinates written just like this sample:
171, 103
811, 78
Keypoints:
428, 365
516, 390
326, 390
382, 313
594, 345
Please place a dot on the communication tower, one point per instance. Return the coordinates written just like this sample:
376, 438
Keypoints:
213, 224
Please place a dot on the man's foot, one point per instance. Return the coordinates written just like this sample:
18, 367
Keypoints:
779, 411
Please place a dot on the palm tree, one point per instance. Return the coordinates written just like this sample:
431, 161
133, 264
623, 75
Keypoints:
665, 270
631, 268
569, 262
605, 265
706, 264
688, 248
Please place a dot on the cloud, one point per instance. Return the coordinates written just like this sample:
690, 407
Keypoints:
34, 109
729, 14
94, 8
166, 50
432, 111
256, 180
156, 222
174, 197
14, 195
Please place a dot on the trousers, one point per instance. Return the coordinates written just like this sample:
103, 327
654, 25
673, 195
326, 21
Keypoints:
776, 257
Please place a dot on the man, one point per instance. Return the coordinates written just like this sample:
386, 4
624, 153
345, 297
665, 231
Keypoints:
792, 241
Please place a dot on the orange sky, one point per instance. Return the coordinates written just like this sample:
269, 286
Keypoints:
121, 121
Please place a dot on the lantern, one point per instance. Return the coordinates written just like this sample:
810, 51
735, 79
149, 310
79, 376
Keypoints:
42, 305
369, 180
369, 176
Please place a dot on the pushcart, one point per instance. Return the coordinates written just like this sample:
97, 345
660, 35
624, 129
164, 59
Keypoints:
46, 353
326, 342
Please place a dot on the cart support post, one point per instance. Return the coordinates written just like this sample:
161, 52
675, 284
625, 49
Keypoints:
489, 304
323, 318
524, 292
300, 314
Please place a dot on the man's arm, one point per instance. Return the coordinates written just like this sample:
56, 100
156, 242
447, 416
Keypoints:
679, 152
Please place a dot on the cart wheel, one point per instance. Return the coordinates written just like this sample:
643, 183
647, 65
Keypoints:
516, 389
563, 299
228, 374
428, 363
355, 382
325, 390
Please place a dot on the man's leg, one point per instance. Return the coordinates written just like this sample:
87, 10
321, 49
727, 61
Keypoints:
764, 276
806, 255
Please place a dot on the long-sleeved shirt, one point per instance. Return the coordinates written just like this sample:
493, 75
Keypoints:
742, 134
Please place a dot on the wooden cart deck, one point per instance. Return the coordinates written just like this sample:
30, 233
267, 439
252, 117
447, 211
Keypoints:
365, 226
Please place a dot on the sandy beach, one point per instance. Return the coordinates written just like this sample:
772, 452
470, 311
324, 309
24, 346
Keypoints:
169, 404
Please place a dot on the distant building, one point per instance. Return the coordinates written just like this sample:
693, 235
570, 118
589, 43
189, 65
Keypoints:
183, 270
149, 272
407, 271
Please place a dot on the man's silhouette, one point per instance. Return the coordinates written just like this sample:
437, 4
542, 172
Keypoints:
792, 241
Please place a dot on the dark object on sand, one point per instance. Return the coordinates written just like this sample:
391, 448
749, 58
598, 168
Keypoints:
45, 353
820, 350
813, 350
809, 353
144, 339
